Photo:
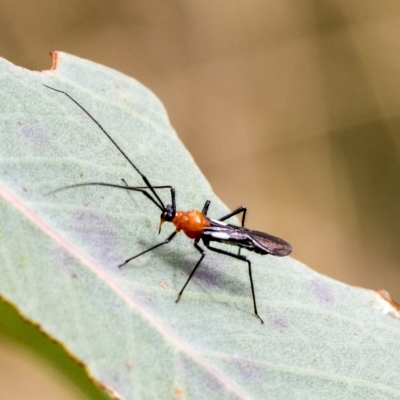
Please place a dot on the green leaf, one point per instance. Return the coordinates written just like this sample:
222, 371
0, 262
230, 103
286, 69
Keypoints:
59, 257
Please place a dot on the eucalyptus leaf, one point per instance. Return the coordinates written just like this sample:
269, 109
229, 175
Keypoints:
59, 255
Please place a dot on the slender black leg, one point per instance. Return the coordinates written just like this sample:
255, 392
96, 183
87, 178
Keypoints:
202, 252
242, 258
241, 209
205, 208
167, 240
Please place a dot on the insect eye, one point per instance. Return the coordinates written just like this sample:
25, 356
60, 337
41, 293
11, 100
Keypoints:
169, 213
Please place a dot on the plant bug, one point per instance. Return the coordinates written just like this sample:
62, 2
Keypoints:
195, 224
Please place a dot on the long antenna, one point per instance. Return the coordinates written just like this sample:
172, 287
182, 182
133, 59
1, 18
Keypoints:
141, 189
146, 181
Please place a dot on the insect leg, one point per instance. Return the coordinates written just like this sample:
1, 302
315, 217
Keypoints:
241, 209
205, 208
242, 258
166, 241
202, 252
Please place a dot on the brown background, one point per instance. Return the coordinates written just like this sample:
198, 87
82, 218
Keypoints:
288, 107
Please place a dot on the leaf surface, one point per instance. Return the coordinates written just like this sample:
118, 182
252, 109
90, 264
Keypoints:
59, 257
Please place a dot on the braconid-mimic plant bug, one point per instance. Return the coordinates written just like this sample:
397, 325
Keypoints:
195, 224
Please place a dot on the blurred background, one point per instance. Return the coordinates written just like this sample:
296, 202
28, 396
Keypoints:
290, 108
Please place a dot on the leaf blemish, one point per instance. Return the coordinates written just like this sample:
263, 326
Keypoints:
322, 291
280, 322
97, 233
247, 369
128, 366
35, 136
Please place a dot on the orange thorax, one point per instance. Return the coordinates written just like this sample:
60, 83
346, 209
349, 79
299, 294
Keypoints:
190, 222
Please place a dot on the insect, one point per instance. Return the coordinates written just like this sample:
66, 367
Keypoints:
196, 224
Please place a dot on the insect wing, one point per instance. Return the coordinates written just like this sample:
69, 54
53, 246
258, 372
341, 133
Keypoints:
272, 244
259, 242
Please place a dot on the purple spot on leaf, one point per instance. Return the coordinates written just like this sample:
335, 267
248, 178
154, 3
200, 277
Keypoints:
64, 260
322, 291
34, 135
280, 322
246, 369
98, 235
